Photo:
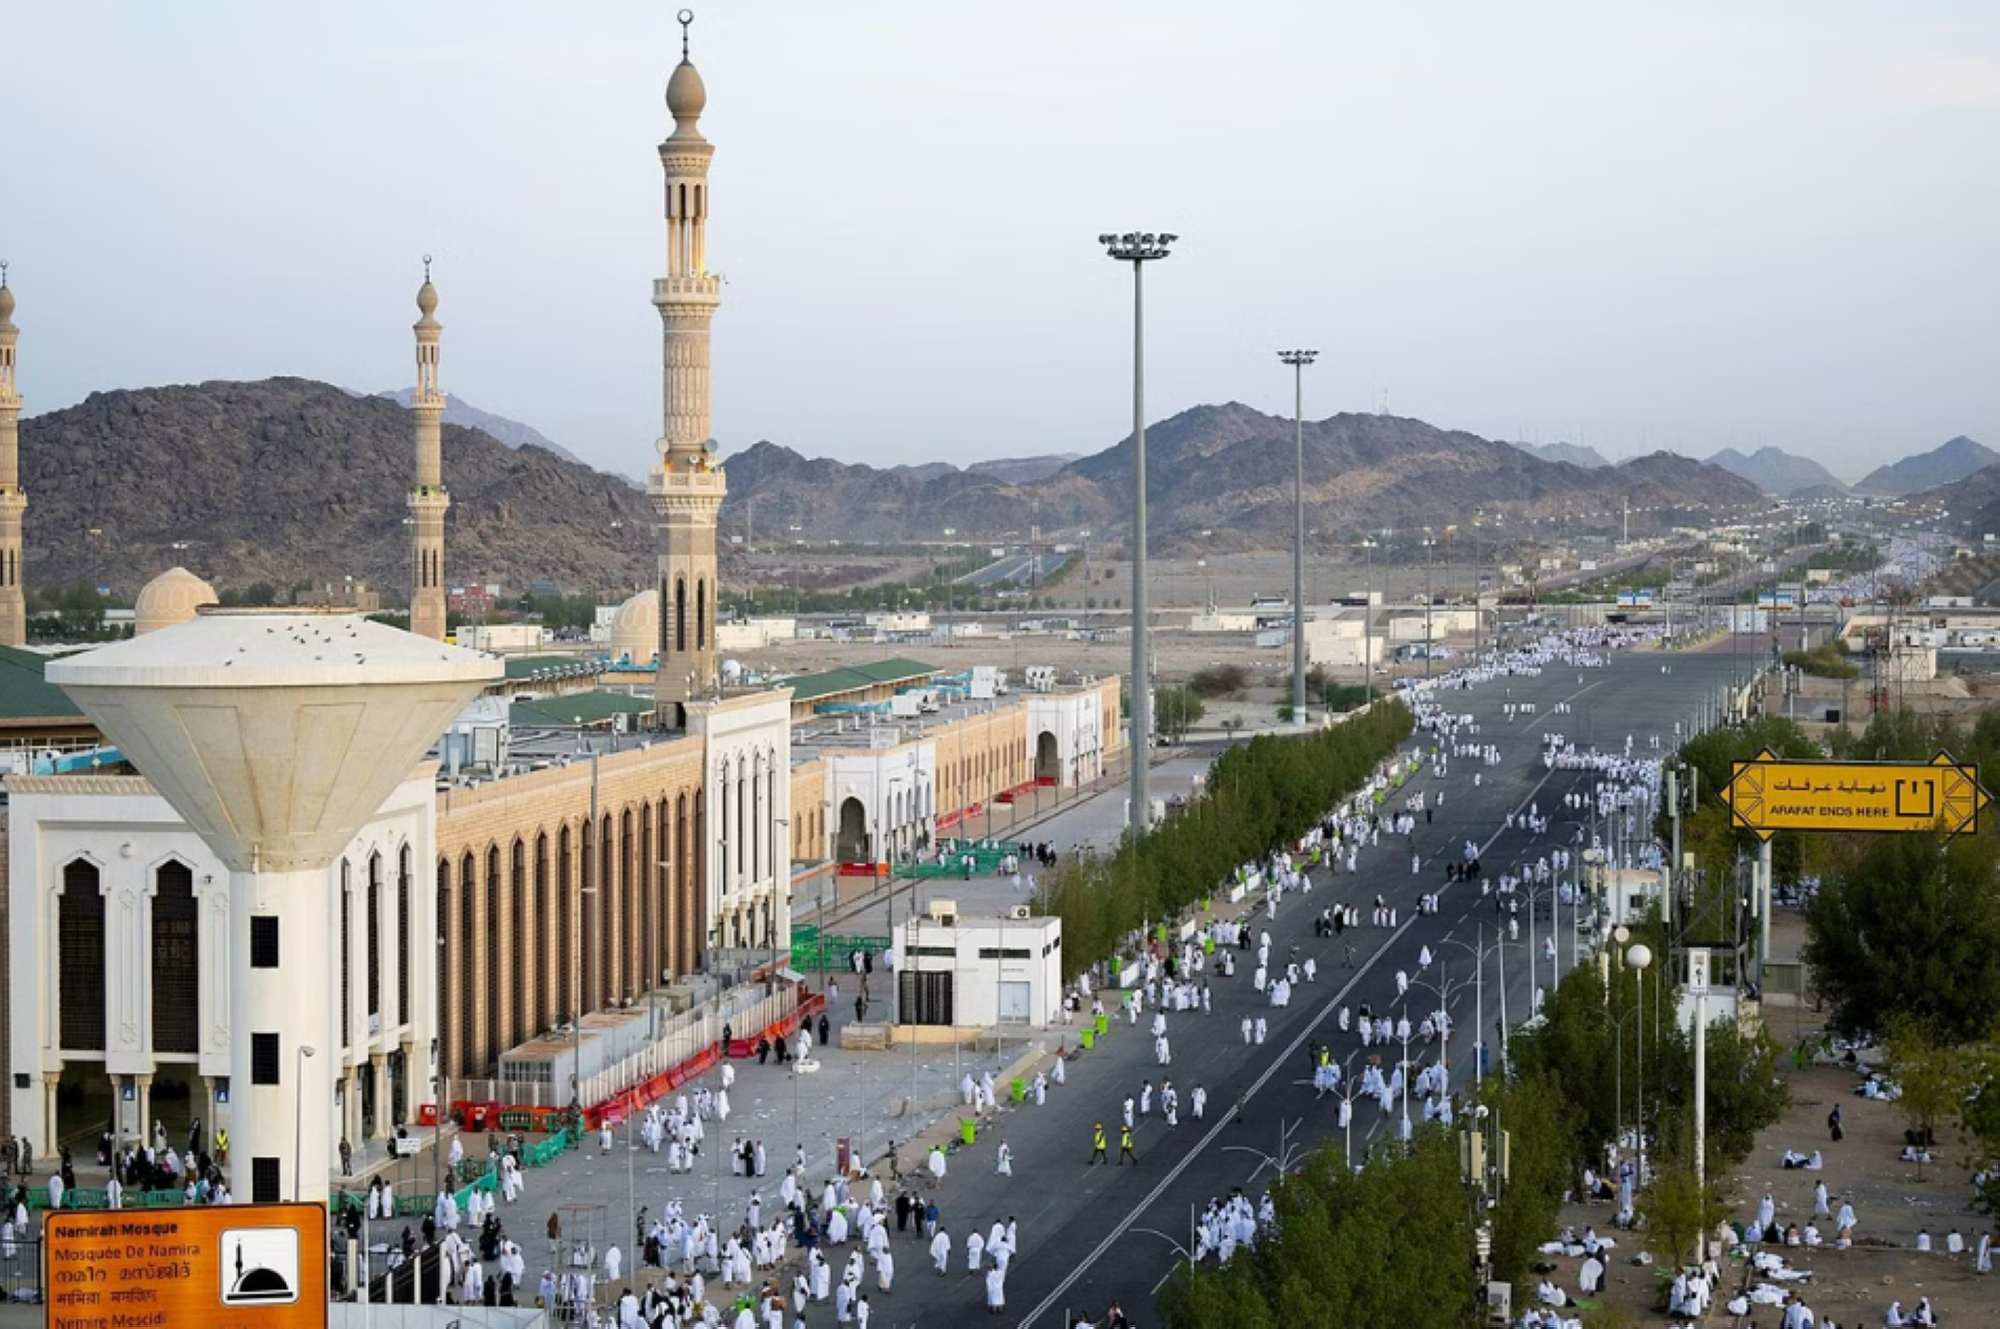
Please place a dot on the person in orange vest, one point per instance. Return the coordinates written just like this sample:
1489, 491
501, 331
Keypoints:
1097, 1154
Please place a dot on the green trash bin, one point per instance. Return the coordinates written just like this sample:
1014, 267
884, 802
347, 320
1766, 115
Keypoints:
1089, 1038
1103, 1024
1018, 1091
968, 1131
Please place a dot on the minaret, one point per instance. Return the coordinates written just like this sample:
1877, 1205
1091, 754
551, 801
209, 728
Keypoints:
686, 486
428, 499
13, 607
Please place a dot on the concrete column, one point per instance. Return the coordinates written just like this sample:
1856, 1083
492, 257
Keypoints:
50, 1135
117, 1111
208, 1118
416, 1083
384, 1101
145, 1083
283, 1130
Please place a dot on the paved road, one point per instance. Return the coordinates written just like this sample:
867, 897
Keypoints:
1093, 1235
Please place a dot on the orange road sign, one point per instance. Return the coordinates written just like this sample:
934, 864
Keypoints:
244, 1266
1771, 794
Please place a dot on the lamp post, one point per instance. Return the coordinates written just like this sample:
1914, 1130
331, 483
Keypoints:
1298, 360
1368, 624
298, 1113
1639, 956
1430, 642
1139, 249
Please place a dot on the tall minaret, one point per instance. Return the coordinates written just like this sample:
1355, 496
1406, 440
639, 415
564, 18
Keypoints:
13, 607
428, 499
686, 486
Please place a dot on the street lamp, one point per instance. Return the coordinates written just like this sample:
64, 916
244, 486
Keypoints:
1298, 360
1368, 624
298, 1114
1639, 957
1139, 249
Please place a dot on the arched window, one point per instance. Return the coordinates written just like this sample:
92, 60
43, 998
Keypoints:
680, 615
403, 885
493, 1028
374, 934
346, 949
565, 938
176, 953
700, 614
543, 1014
517, 994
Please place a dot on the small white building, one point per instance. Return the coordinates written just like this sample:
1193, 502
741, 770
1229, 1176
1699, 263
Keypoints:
979, 971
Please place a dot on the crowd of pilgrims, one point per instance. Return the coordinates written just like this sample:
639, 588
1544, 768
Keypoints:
841, 1232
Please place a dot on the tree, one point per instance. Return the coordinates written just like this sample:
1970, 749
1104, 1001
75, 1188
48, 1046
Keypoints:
1929, 1074
1219, 680
1909, 925
1678, 1211
1176, 710
1389, 1245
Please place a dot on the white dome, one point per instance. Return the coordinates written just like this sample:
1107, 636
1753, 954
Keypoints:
635, 630
168, 599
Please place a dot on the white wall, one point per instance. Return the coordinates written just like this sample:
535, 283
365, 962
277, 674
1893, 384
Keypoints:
128, 831
977, 987
749, 788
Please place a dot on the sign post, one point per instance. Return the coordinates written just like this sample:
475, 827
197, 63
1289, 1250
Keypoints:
1770, 794
247, 1266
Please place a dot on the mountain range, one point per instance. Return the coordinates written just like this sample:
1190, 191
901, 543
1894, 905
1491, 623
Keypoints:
1228, 470
1777, 472
1952, 461
292, 481
1575, 454
459, 411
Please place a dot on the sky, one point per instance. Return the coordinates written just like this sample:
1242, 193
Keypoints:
1684, 225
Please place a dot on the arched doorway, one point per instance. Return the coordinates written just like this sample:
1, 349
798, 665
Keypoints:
1048, 759
851, 844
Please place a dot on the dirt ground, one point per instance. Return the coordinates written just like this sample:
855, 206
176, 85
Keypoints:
1892, 1203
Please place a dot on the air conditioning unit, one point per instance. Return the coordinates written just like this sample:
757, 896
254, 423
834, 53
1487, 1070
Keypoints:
1018, 911
944, 913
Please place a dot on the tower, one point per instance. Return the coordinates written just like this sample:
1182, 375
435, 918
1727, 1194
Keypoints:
13, 607
686, 486
428, 497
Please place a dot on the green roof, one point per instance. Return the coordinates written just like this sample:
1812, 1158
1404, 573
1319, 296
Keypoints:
856, 678
25, 694
590, 707
527, 666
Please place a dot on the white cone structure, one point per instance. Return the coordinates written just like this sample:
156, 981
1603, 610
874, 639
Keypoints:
277, 734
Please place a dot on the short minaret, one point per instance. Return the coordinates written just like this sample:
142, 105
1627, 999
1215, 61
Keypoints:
686, 486
13, 605
428, 499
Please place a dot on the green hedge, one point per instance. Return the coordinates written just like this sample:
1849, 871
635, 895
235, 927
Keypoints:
1259, 796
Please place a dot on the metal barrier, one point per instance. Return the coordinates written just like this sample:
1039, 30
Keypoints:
21, 1271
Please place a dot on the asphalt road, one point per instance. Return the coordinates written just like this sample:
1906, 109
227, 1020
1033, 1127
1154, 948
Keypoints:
1092, 1235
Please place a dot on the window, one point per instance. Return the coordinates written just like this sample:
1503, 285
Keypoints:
80, 942
264, 1060
565, 994
346, 948
403, 937
1009, 953
263, 942
176, 951
265, 1181
374, 934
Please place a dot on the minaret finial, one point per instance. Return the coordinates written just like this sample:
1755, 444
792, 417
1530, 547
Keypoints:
3, 272
427, 267
686, 17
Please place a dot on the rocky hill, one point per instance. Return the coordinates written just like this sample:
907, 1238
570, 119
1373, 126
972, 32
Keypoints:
1228, 469
1942, 465
1973, 501
1777, 472
292, 481
1575, 454
459, 411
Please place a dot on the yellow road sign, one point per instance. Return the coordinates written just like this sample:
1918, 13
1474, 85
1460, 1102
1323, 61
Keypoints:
1771, 794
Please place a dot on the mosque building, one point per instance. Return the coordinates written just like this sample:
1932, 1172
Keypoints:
569, 853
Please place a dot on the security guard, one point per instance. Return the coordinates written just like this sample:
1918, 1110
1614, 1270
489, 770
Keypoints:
1097, 1154
1125, 1147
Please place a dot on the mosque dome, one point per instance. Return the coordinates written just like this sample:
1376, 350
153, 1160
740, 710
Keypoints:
170, 598
635, 629
687, 95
